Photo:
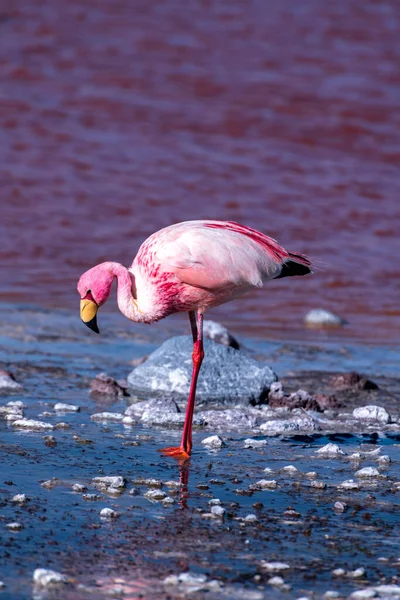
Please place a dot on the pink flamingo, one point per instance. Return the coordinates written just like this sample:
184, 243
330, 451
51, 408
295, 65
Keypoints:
188, 267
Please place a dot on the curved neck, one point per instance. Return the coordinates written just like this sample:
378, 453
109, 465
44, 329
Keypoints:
127, 303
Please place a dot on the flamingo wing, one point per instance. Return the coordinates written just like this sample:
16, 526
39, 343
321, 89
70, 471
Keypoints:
213, 259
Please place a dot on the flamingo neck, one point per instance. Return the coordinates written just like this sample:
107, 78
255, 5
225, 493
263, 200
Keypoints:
127, 302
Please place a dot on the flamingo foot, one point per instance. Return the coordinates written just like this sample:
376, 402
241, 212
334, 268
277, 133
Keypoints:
176, 452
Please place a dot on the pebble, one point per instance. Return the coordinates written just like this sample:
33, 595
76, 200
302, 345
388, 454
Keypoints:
372, 413
50, 441
79, 488
387, 589
331, 450
267, 484
215, 502
107, 416
218, 333
290, 469
384, 459
250, 518
214, 441
318, 485
367, 472
32, 424
320, 317
218, 511
357, 573
363, 594
45, 577
340, 506
15, 526
13, 416
61, 407
50, 483
276, 581
105, 385
152, 483
111, 481
20, 498
108, 513
155, 495
18, 404
7, 381
172, 484
349, 484
128, 421
91, 497
302, 423
2, 585
250, 443
167, 501
274, 567
339, 572
330, 594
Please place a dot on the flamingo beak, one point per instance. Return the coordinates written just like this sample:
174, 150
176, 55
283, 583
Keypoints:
89, 314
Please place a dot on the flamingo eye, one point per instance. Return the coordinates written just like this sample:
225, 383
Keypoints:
88, 292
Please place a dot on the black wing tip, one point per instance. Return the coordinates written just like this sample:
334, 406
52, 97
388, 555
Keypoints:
292, 268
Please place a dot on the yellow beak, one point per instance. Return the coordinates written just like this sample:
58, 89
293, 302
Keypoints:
89, 314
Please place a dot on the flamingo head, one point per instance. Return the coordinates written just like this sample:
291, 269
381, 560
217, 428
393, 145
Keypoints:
94, 287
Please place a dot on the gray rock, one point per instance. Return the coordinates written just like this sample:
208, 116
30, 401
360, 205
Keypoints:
227, 376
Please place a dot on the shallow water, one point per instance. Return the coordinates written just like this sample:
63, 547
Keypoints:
118, 119
55, 358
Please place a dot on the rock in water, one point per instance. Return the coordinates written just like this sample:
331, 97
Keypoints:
218, 333
320, 317
227, 376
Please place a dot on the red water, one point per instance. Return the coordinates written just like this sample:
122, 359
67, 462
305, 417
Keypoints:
118, 118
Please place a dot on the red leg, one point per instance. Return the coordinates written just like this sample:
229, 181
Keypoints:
183, 451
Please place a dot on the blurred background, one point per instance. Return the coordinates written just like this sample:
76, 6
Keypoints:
118, 118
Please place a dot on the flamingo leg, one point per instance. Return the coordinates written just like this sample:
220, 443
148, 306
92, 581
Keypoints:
183, 451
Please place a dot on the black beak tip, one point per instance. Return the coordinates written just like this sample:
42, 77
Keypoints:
92, 324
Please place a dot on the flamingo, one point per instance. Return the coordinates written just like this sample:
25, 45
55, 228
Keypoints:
188, 267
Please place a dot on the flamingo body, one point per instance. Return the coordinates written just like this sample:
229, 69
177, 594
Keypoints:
189, 267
